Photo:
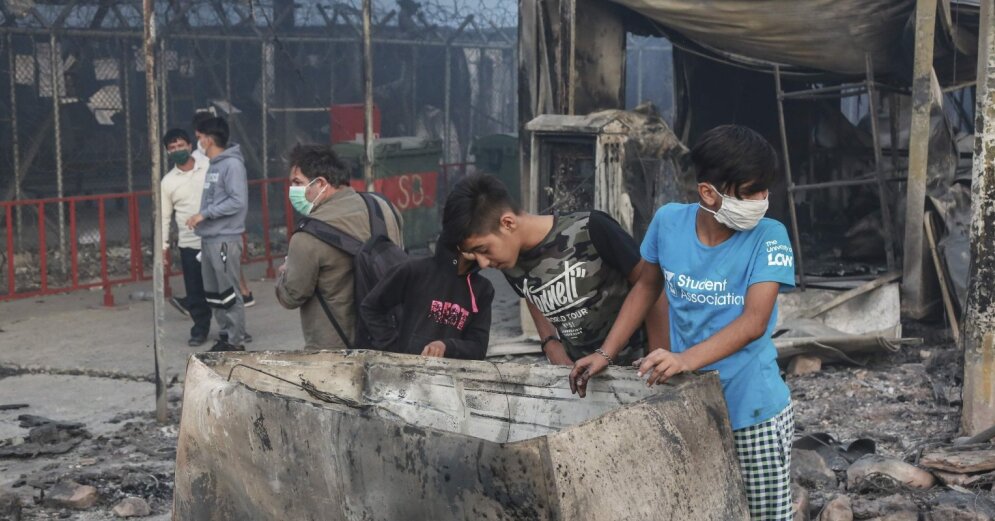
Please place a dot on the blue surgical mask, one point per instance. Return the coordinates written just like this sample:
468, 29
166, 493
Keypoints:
298, 198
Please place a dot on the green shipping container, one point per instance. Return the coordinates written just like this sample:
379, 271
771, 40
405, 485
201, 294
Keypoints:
497, 154
406, 171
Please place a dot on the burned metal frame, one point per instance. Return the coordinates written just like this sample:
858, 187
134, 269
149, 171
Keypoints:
871, 88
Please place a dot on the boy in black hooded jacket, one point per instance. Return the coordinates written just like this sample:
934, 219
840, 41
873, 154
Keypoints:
446, 308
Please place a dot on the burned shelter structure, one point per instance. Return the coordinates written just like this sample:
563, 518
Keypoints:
829, 84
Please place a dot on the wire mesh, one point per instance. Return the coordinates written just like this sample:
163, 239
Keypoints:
73, 111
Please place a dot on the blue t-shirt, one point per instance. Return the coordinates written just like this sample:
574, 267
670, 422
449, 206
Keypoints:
706, 288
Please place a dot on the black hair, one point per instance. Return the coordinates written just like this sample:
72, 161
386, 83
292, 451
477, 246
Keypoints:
474, 207
733, 156
174, 135
201, 116
216, 128
319, 161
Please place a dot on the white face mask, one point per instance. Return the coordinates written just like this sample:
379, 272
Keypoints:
739, 214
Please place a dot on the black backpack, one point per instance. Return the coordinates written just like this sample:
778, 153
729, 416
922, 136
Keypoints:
372, 260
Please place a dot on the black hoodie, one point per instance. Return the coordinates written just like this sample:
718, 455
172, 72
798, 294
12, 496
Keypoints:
437, 304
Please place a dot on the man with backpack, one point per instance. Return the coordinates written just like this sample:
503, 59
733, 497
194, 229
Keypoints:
338, 235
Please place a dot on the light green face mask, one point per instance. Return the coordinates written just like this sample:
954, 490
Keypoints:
298, 198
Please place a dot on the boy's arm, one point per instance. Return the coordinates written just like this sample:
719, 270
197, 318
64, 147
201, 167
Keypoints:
751, 325
554, 351
298, 280
167, 210
473, 344
642, 297
658, 320
386, 295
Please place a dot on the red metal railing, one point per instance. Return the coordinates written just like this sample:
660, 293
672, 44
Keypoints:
136, 266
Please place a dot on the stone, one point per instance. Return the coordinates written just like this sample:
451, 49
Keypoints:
799, 503
804, 364
139, 483
809, 469
905, 515
837, 510
132, 507
881, 508
866, 472
69, 494
959, 461
10, 506
961, 506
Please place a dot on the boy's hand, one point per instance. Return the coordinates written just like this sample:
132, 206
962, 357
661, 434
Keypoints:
583, 370
194, 221
437, 349
661, 365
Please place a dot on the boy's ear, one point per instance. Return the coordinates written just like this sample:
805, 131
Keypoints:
709, 197
509, 221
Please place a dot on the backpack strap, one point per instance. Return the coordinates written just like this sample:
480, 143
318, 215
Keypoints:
330, 235
378, 224
335, 323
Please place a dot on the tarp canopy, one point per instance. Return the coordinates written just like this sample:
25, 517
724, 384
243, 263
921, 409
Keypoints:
823, 35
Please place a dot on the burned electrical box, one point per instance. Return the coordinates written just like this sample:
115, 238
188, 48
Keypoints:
624, 163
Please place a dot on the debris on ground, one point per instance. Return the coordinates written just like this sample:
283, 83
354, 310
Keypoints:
127, 473
45, 437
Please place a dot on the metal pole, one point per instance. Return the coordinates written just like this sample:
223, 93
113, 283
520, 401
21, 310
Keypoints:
414, 89
15, 139
795, 236
228, 78
56, 74
126, 98
979, 317
913, 278
639, 76
164, 86
264, 89
447, 157
158, 283
893, 115
872, 107
368, 92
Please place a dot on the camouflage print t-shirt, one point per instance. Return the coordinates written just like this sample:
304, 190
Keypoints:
578, 277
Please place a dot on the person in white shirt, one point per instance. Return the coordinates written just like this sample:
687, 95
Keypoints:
181, 193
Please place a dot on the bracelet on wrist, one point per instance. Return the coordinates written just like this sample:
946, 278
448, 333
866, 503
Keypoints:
604, 354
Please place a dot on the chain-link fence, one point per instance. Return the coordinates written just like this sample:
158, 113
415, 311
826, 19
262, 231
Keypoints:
73, 117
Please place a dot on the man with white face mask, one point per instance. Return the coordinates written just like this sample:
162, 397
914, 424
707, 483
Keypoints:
721, 264
319, 188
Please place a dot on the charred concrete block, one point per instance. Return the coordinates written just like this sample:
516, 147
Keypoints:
375, 436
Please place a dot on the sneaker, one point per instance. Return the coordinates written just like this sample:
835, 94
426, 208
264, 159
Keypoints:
196, 341
176, 303
248, 301
223, 345
223, 337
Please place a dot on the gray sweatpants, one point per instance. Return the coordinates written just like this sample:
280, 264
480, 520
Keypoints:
220, 264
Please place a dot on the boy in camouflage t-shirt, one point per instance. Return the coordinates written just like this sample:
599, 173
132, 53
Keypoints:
574, 270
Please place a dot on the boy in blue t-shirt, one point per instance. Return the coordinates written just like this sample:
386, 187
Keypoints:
722, 265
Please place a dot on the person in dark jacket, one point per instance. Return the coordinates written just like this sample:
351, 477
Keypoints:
445, 308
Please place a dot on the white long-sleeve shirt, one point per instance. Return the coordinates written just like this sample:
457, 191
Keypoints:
181, 193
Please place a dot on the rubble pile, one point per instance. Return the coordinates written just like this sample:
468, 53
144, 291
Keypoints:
879, 442
125, 474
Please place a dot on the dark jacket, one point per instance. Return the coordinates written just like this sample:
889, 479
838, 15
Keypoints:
437, 303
